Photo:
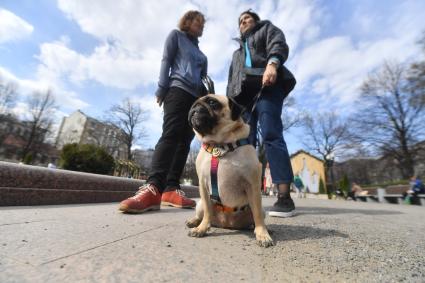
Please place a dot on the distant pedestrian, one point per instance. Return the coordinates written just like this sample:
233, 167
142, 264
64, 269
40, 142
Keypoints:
416, 187
268, 180
355, 190
299, 186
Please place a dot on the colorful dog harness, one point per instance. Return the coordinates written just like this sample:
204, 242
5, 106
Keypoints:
218, 151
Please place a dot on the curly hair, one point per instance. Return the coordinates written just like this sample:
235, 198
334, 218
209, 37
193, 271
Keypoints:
187, 19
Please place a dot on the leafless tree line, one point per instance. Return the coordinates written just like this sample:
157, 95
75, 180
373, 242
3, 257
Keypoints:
129, 117
40, 111
8, 98
389, 120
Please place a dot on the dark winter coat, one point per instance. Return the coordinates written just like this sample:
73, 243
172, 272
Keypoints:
264, 41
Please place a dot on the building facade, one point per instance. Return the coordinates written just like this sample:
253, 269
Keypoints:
14, 137
143, 159
82, 129
310, 169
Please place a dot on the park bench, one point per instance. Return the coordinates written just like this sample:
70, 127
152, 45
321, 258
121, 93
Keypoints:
393, 194
368, 198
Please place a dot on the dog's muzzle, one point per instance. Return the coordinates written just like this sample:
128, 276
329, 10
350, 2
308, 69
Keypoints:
202, 118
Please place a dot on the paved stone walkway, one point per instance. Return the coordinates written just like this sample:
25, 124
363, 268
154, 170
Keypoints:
328, 241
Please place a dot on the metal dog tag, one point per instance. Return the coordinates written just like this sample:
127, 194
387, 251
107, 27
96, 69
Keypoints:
216, 152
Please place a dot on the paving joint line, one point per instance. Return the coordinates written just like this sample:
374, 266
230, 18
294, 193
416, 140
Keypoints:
27, 222
102, 245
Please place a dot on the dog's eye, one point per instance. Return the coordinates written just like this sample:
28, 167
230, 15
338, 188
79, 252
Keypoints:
213, 103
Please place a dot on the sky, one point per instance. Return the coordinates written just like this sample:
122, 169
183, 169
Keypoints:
93, 54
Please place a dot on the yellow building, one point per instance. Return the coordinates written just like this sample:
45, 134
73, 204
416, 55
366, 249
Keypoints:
310, 169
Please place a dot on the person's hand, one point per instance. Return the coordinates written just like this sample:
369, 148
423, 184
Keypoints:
160, 94
270, 74
159, 100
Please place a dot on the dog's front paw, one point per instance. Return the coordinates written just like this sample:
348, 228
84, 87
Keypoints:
263, 238
194, 222
197, 232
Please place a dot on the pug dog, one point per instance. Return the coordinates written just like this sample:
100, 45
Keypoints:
217, 122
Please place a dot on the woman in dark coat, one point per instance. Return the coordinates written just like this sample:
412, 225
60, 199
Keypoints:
263, 50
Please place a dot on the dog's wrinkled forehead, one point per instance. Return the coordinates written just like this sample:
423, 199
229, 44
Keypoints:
212, 102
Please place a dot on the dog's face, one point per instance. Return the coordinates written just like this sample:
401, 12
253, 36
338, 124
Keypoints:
215, 117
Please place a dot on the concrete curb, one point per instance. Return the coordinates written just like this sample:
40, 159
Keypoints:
33, 185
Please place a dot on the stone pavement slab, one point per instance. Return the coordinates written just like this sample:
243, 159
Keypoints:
328, 241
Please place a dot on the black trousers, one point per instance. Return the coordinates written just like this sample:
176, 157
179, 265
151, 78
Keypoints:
172, 149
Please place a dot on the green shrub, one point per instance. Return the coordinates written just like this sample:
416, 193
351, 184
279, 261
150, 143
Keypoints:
86, 158
28, 158
344, 185
322, 189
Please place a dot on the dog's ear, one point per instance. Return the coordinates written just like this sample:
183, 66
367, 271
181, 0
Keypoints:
235, 110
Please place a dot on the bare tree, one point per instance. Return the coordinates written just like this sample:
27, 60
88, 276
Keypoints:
8, 96
290, 120
129, 117
416, 78
327, 135
388, 121
41, 109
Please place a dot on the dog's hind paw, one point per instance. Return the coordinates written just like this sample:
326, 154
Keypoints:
192, 223
196, 232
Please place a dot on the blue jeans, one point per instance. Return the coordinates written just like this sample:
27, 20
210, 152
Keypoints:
268, 113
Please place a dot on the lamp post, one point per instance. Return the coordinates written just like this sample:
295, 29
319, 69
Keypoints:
329, 164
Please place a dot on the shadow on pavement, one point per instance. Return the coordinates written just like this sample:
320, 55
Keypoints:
326, 210
164, 209
281, 233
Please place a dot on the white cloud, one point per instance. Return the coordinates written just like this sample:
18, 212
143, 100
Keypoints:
330, 70
65, 98
13, 27
299, 20
136, 24
132, 35
110, 64
329, 62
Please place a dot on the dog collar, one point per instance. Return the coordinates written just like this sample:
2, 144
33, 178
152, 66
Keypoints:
217, 206
218, 151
